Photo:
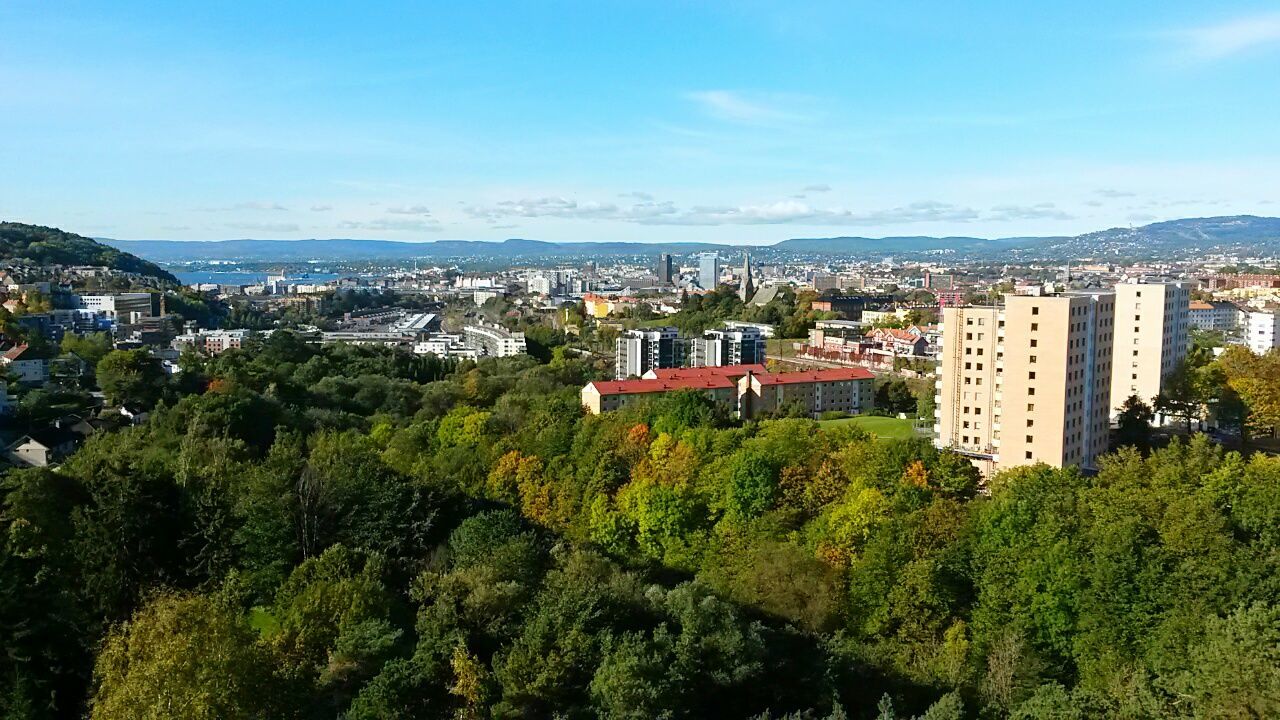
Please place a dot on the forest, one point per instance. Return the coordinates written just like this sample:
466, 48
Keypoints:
303, 531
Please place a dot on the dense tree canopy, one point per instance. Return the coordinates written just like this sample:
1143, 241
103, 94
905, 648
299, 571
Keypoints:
314, 532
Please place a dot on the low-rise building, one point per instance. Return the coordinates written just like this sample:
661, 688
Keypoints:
26, 365
491, 341
1215, 316
746, 390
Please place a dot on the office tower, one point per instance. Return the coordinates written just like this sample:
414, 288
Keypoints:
1150, 338
666, 270
1027, 382
639, 351
736, 346
709, 271
746, 288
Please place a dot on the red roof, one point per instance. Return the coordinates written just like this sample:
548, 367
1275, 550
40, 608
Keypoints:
631, 387
808, 376
15, 352
706, 372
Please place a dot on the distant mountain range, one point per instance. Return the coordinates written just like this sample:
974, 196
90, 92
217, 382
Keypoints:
1172, 239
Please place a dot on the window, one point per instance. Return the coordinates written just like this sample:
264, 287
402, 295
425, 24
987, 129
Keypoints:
1030, 422
1031, 407
1028, 454
1031, 391
1034, 342
1031, 375
1035, 309
1030, 439
1033, 359
1035, 326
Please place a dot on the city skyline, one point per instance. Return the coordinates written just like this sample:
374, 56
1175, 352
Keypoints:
614, 122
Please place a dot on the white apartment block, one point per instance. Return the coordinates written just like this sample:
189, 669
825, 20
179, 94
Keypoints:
639, 351
492, 341
1262, 330
1027, 382
1152, 319
737, 346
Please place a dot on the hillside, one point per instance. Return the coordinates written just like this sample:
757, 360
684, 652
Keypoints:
51, 246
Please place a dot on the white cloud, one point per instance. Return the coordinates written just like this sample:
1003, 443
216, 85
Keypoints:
389, 225
1219, 40
252, 205
321, 208
1110, 193
785, 212
734, 107
410, 210
820, 187
264, 227
1039, 211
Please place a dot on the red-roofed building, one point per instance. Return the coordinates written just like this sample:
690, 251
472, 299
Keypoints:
748, 390
730, 371
846, 390
606, 395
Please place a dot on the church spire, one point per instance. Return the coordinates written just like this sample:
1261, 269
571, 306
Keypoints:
747, 288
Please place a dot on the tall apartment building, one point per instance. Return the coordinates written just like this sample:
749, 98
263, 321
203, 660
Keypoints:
1027, 382
666, 269
709, 271
639, 351
736, 346
1262, 330
492, 341
1150, 338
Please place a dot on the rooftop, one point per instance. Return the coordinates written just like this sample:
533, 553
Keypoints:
729, 371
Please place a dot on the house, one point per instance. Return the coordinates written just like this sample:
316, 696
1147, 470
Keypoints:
28, 366
42, 448
900, 343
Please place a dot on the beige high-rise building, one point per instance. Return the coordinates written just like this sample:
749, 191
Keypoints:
1028, 381
1151, 338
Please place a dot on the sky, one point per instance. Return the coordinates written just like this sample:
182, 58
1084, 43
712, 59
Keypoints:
735, 122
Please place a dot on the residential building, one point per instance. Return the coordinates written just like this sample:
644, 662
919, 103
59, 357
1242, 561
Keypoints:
41, 448
1214, 316
445, 346
212, 342
1027, 382
737, 346
491, 341
639, 351
709, 271
845, 390
26, 365
823, 281
764, 328
749, 391
1151, 321
1262, 329
608, 395
850, 307
666, 269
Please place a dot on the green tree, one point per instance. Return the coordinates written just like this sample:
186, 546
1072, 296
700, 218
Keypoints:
184, 657
131, 376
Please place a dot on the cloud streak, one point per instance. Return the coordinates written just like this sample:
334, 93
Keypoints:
1232, 37
737, 108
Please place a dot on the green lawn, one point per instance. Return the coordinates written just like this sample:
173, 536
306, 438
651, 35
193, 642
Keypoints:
889, 428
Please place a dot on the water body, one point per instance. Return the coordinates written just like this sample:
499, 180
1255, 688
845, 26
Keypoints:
246, 278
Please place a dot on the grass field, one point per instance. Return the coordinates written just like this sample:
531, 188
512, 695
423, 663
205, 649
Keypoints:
889, 428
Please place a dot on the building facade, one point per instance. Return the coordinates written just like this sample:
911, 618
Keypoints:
1027, 382
1215, 316
709, 271
666, 269
1262, 330
748, 391
736, 346
490, 341
639, 351
1151, 321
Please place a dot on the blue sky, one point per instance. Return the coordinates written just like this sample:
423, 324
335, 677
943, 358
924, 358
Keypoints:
650, 121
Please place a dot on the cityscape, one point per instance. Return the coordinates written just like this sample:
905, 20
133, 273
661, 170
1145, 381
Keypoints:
513, 365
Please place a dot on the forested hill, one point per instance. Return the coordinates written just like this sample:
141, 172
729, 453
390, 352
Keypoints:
51, 246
